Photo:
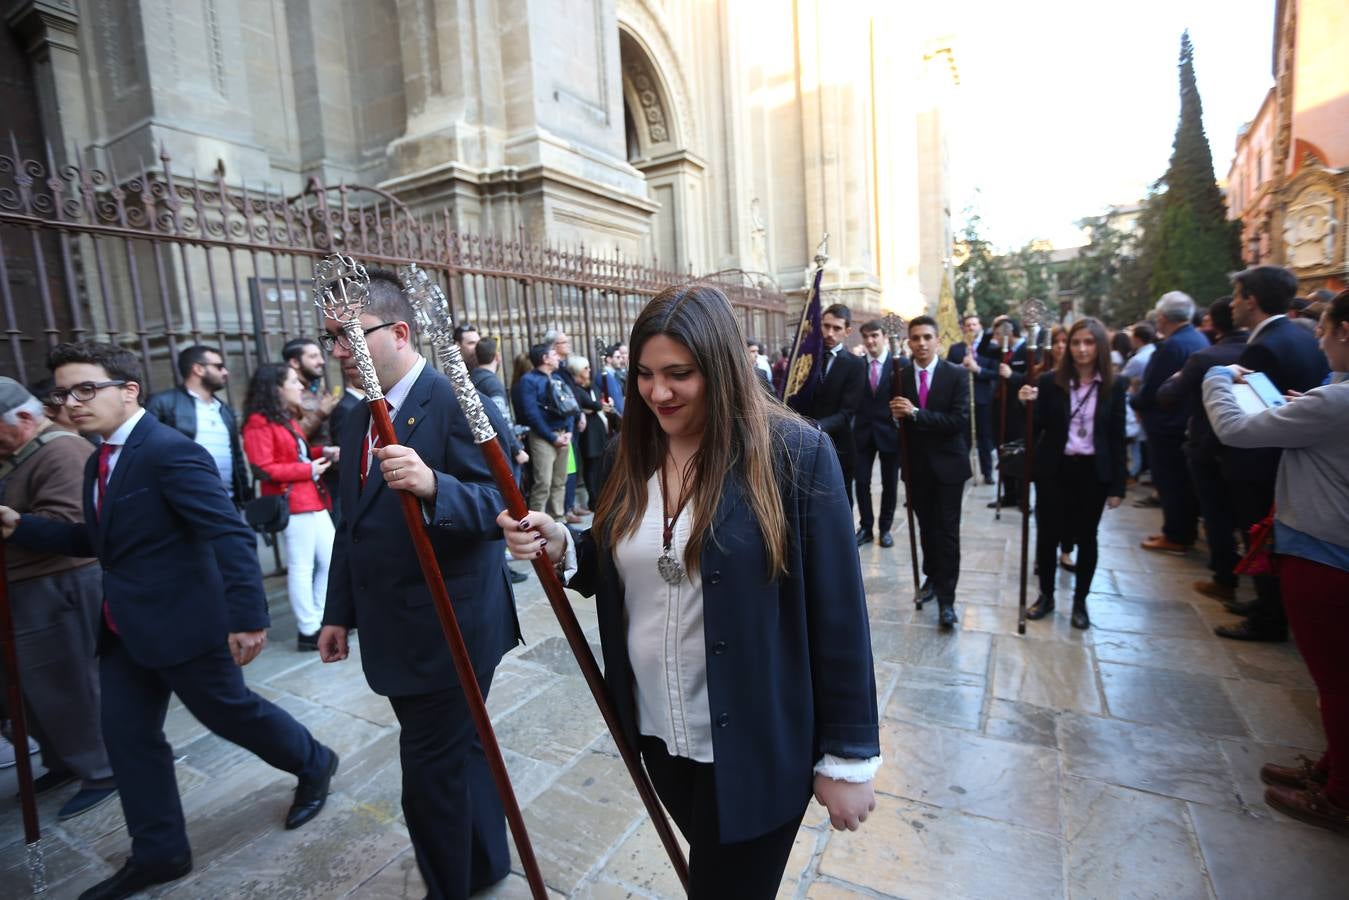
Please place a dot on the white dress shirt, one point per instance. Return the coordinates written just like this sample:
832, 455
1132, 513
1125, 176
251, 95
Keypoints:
116, 440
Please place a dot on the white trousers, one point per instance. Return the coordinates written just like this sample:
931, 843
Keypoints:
308, 540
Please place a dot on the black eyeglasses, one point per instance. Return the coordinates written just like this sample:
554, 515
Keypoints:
83, 392
328, 341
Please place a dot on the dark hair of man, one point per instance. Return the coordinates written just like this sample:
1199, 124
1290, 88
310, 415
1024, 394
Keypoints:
787, 350
1065, 374
1220, 311
119, 363
1121, 344
751, 342
1272, 287
388, 303
873, 326
838, 311
743, 435
264, 393
919, 321
459, 331
1337, 311
1298, 304
192, 355
974, 316
537, 354
485, 352
1145, 333
295, 348
42, 389
1197, 320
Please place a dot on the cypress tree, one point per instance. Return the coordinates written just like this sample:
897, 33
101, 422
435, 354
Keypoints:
1195, 246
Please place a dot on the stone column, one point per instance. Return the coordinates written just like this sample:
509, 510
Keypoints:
49, 32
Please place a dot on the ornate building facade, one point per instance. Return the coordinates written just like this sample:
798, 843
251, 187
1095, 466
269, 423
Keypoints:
707, 136
1289, 181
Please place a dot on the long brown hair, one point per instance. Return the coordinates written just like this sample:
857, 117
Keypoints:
742, 435
1065, 374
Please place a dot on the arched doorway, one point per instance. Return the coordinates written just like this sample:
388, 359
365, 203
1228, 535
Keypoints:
658, 149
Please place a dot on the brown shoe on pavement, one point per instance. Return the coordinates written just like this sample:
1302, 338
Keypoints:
1217, 591
1296, 777
1309, 805
1161, 544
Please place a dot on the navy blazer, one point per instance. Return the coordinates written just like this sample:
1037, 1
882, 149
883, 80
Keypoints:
873, 426
532, 408
986, 378
1050, 422
1167, 359
375, 583
789, 667
180, 567
1186, 390
937, 448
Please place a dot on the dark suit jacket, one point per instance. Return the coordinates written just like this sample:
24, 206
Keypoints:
1292, 358
835, 401
1052, 412
1167, 360
177, 408
1011, 429
789, 667
937, 447
1186, 390
375, 582
873, 426
180, 568
986, 379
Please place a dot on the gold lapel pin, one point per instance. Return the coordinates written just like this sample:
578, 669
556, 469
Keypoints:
412, 420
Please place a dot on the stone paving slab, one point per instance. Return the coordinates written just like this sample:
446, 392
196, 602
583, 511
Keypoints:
1118, 762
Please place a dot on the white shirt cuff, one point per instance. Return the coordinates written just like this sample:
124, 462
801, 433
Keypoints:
855, 771
568, 565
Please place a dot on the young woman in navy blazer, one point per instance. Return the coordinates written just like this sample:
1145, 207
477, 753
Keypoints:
1079, 459
731, 610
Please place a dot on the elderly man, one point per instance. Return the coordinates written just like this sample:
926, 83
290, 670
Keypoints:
1165, 428
55, 601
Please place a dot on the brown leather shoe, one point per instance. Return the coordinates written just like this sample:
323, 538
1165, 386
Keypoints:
1215, 590
1296, 777
1310, 805
1160, 544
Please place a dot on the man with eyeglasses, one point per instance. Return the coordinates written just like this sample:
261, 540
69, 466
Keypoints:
183, 609
194, 410
305, 356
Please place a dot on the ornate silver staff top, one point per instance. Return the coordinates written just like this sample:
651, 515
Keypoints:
434, 318
341, 292
893, 322
1034, 316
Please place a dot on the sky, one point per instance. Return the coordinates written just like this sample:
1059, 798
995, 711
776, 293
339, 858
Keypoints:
1066, 107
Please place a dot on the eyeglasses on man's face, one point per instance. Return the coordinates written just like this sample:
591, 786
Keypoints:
83, 392
327, 341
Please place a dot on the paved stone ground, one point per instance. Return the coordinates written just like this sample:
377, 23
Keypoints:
1119, 762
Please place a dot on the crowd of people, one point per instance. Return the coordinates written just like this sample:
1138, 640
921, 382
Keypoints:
660, 484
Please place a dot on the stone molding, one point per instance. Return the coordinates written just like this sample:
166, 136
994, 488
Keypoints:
645, 26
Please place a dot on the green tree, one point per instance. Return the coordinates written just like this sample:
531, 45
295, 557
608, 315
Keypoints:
1029, 273
980, 274
1191, 244
1095, 274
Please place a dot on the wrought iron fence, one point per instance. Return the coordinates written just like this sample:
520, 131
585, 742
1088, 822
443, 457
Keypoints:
157, 261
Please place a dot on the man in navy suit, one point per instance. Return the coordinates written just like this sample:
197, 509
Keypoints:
835, 400
934, 405
875, 435
1291, 357
158, 518
985, 370
453, 815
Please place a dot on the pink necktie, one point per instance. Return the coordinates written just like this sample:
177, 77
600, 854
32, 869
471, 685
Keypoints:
922, 388
875, 374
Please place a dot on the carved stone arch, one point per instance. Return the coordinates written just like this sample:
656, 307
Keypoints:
646, 50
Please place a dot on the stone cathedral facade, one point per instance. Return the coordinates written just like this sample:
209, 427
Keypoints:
705, 135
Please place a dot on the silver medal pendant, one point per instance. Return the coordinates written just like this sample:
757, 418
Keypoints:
669, 567
1081, 432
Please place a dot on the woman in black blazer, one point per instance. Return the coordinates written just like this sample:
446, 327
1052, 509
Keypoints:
731, 611
1079, 459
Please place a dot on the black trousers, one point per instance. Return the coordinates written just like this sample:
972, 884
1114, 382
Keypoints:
1251, 502
453, 813
983, 433
212, 688
1171, 475
937, 507
866, 458
1215, 506
1068, 508
745, 870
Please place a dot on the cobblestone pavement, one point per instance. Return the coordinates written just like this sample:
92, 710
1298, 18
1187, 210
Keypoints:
1117, 762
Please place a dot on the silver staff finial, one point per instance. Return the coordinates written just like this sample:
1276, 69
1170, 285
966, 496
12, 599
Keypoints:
341, 287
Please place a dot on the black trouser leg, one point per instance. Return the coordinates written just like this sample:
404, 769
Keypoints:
866, 458
1171, 475
1215, 505
938, 508
1051, 496
889, 490
1084, 518
983, 432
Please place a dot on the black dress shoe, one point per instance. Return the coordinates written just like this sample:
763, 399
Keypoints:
1042, 607
306, 643
1239, 607
946, 618
886, 539
517, 577
51, 781
1245, 631
988, 479
926, 590
134, 877
310, 795
1080, 618
863, 536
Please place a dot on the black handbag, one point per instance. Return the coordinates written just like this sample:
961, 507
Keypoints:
270, 514
1012, 457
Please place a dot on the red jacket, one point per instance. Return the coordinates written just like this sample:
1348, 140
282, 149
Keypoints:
273, 450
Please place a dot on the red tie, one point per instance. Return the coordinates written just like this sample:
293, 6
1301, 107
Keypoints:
922, 388
105, 453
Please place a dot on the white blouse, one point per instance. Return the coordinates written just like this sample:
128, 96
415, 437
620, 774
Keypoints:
666, 643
